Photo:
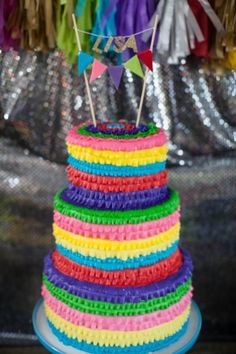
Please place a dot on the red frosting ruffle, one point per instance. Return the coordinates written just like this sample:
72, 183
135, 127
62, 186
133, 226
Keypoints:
116, 184
121, 278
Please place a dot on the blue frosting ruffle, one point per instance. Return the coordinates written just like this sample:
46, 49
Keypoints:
113, 170
110, 264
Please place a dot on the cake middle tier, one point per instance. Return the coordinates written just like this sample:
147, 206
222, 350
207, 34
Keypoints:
116, 240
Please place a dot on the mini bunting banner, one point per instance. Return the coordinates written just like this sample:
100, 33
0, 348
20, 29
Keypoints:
84, 60
133, 65
115, 73
146, 58
98, 69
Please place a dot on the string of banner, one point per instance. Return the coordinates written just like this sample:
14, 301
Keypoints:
118, 44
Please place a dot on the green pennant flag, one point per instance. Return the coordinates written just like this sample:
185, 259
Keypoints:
133, 65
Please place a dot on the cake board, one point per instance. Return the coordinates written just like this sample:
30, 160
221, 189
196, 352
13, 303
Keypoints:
53, 345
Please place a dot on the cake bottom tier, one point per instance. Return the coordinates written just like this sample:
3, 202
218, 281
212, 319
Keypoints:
105, 319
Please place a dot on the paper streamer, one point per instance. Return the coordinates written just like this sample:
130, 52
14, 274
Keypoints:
179, 28
80, 7
212, 15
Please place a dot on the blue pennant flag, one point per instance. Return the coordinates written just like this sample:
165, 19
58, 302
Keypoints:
84, 60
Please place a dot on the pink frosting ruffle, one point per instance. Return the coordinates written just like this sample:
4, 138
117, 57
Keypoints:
117, 323
122, 232
148, 142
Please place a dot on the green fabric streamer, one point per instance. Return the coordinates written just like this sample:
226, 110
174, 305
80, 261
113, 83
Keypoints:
110, 309
118, 217
152, 129
66, 39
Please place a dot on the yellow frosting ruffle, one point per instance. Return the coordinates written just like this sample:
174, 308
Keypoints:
117, 338
119, 158
120, 249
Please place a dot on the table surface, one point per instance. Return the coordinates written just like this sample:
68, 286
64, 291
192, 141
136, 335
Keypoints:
199, 348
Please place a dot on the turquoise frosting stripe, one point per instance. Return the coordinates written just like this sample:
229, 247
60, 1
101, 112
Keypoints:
113, 170
116, 263
133, 349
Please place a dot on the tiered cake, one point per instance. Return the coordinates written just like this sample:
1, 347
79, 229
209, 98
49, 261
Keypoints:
117, 281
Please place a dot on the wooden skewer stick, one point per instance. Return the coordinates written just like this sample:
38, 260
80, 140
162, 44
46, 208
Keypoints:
85, 76
146, 73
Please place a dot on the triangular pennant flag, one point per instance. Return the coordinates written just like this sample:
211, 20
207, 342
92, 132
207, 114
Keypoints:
84, 60
146, 58
97, 70
115, 73
133, 65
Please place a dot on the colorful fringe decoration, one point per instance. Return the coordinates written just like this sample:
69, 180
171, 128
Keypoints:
204, 28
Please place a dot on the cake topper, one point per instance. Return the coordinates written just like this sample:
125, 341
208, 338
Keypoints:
119, 44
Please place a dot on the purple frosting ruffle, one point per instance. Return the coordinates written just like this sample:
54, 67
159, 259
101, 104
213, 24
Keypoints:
118, 295
115, 200
119, 131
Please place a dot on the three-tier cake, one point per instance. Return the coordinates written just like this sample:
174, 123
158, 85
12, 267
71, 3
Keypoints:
117, 281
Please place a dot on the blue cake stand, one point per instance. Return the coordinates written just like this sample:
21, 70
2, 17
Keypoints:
52, 344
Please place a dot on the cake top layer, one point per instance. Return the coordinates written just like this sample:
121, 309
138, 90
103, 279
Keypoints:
121, 130
119, 136
117, 149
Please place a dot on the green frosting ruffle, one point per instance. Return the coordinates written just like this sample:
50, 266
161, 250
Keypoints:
118, 217
152, 129
110, 309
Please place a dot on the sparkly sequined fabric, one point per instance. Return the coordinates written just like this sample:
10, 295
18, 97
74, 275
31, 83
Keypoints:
41, 98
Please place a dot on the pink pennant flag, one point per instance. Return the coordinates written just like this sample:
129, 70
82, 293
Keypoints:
115, 73
97, 70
